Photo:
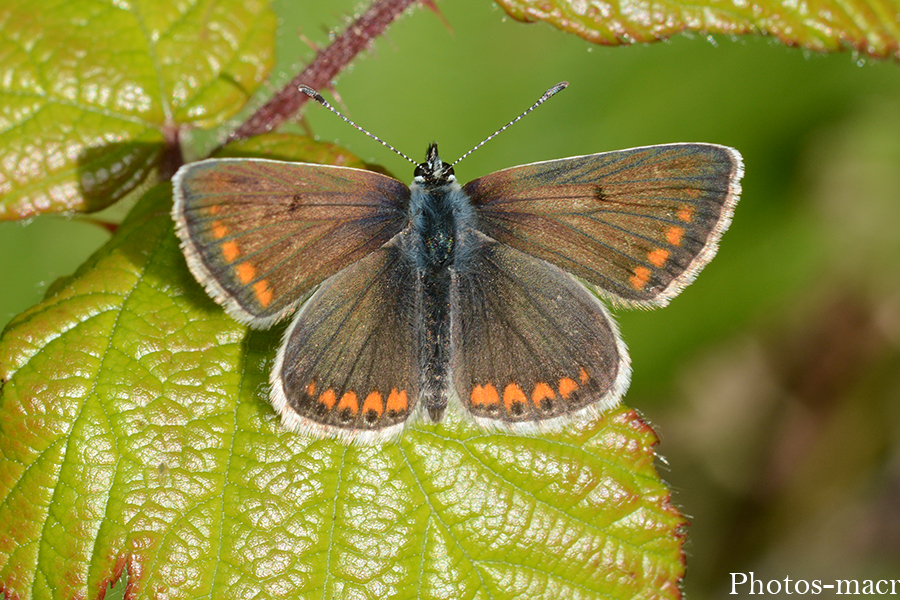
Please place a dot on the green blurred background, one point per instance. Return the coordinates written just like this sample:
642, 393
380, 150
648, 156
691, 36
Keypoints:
774, 380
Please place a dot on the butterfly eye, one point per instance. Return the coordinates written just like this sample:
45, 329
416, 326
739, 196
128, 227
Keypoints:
429, 172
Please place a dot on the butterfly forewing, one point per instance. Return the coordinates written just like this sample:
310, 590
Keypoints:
531, 345
261, 234
639, 224
348, 366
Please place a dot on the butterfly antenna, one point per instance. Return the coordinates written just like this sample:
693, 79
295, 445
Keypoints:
551, 92
318, 98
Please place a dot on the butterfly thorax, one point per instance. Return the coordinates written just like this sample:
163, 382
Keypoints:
440, 211
437, 205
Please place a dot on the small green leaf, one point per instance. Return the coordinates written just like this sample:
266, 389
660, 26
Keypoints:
870, 27
135, 430
90, 91
286, 146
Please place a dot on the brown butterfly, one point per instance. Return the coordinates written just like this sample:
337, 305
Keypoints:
481, 298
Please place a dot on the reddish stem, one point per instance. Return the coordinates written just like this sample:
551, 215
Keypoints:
325, 67
172, 157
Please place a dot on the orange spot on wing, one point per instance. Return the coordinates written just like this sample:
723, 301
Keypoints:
348, 400
686, 213
567, 386
263, 293
512, 394
485, 395
397, 401
311, 388
245, 272
218, 230
230, 251
640, 278
583, 376
541, 392
328, 398
658, 257
213, 209
373, 402
674, 235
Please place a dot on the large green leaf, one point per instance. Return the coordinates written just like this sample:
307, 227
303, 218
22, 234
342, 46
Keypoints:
869, 27
91, 90
135, 432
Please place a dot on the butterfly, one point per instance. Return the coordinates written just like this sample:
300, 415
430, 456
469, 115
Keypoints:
483, 298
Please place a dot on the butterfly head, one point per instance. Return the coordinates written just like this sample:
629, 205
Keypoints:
433, 171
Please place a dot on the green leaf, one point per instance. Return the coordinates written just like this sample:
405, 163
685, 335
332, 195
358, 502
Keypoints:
286, 146
870, 27
90, 92
135, 431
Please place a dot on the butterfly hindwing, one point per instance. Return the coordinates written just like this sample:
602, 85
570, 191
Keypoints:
348, 366
639, 224
531, 345
261, 234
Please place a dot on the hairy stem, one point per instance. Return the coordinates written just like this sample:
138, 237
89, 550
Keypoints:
325, 67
